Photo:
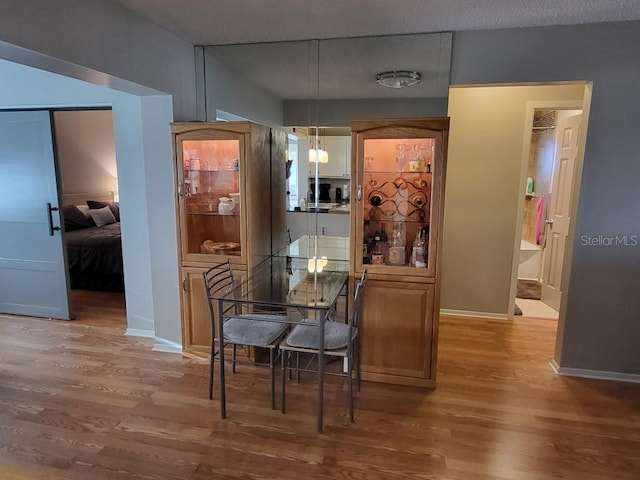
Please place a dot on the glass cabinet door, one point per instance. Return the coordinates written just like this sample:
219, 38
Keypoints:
396, 201
211, 197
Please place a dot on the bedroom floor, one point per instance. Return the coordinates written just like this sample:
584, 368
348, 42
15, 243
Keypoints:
100, 309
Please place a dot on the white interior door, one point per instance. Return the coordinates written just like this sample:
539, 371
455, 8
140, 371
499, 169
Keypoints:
558, 211
33, 277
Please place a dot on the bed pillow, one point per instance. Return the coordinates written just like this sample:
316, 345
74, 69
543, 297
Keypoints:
74, 219
84, 209
113, 206
102, 216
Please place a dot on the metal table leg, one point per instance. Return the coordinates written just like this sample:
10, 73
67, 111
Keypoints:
223, 399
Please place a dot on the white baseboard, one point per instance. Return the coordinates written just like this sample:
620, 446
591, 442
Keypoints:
137, 332
470, 314
595, 374
167, 346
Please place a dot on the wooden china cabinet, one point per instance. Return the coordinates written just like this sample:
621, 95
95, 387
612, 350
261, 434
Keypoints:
231, 205
398, 177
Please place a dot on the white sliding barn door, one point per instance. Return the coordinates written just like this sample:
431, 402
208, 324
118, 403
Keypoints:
33, 277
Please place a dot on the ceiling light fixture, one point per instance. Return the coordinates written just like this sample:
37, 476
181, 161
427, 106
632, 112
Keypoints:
398, 79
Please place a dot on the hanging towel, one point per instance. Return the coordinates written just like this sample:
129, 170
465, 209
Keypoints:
540, 218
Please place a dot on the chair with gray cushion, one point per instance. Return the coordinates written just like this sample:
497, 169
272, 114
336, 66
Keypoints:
264, 330
340, 340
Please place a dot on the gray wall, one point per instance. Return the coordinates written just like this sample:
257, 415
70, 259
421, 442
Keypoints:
86, 151
340, 113
601, 330
123, 50
225, 90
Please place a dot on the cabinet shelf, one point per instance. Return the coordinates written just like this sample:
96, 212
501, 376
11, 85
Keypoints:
214, 214
397, 172
210, 171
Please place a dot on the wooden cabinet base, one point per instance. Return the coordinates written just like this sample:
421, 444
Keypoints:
398, 380
397, 331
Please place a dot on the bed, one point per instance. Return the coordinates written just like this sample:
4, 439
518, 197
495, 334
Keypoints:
93, 241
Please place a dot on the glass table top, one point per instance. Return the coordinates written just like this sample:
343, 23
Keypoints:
310, 274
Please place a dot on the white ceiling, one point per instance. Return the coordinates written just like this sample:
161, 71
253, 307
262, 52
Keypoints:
218, 22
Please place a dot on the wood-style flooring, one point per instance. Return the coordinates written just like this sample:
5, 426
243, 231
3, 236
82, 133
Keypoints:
79, 400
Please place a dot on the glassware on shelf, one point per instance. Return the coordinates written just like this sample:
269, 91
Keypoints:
397, 244
417, 162
212, 164
369, 163
194, 172
402, 151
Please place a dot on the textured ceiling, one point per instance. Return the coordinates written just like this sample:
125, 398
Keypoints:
357, 38
217, 22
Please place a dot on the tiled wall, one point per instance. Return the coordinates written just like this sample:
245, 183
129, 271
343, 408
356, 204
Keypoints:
541, 170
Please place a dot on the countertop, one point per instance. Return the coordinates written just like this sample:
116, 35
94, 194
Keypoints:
325, 208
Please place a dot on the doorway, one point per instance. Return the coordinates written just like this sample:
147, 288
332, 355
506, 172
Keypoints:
47, 154
88, 182
487, 162
546, 219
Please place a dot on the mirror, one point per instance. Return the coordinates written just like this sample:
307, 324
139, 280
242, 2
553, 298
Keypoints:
314, 89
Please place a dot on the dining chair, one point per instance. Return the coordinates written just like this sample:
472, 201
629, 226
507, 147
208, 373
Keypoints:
341, 340
264, 330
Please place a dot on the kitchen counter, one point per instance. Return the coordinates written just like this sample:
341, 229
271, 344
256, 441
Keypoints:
325, 208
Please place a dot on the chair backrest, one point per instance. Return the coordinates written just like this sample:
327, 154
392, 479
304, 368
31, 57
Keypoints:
357, 298
217, 278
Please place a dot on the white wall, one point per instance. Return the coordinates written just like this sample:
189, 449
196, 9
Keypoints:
86, 151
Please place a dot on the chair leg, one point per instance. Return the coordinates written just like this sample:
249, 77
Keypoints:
211, 358
357, 358
283, 359
233, 358
273, 378
350, 386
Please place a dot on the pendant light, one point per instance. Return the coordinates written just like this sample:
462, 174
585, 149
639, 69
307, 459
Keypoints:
318, 155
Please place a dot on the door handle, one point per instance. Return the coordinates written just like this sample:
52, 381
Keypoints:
359, 192
50, 211
549, 222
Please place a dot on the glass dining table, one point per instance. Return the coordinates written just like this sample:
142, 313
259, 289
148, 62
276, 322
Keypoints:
305, 280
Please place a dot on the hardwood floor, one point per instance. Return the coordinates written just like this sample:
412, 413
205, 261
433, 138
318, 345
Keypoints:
82, 401
104, 309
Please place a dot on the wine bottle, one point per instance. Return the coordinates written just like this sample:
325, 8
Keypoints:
419, 253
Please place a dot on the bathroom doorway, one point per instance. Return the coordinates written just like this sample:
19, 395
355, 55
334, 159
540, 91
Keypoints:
546, 216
